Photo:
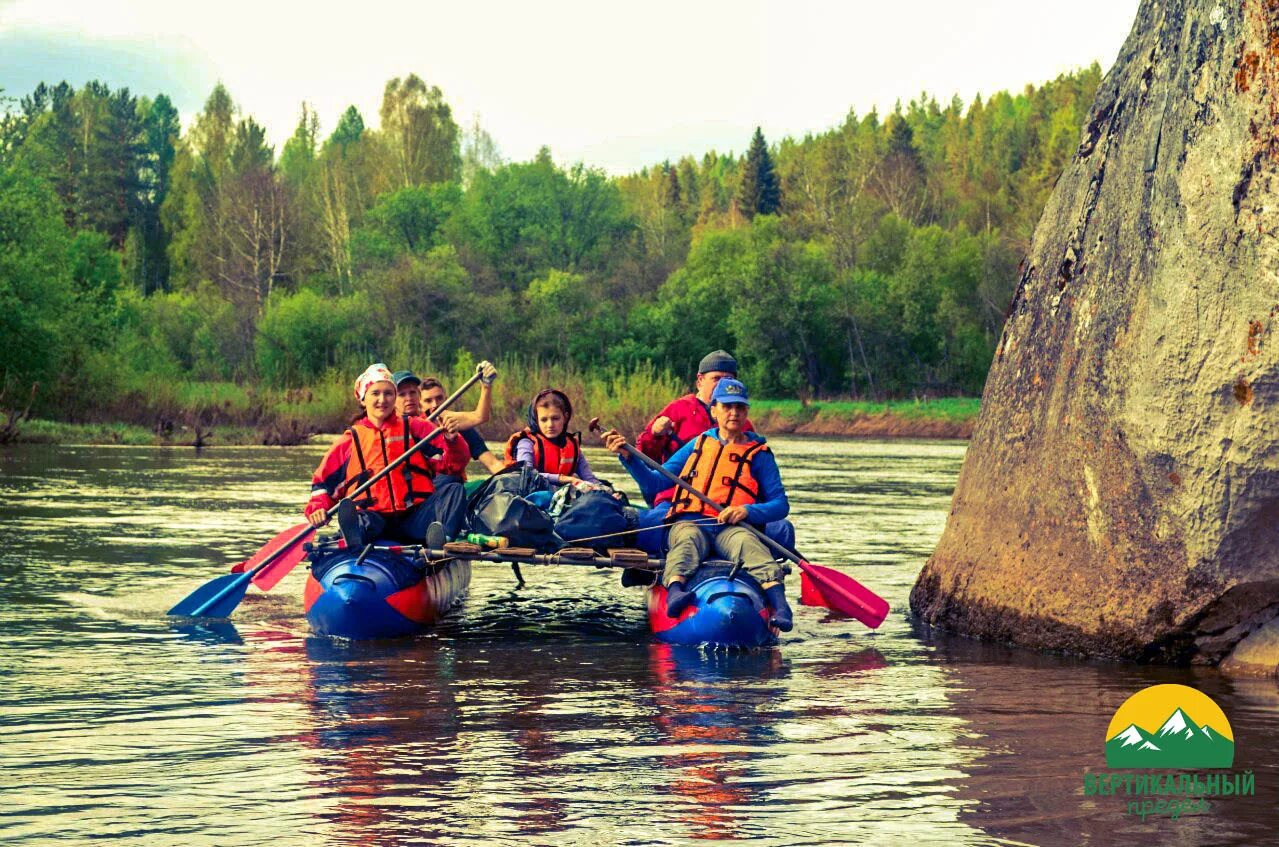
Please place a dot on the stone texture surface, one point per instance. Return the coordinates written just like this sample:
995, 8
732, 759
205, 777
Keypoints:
1120, 496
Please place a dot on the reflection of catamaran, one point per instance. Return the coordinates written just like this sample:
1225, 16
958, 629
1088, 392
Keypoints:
389, 590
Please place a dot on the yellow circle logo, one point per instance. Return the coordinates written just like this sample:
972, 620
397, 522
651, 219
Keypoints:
1169, 726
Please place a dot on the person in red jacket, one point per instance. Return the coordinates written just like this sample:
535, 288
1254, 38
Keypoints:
687, 417
684, 419
406, 504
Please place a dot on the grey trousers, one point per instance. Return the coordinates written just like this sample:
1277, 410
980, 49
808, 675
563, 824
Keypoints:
688, 545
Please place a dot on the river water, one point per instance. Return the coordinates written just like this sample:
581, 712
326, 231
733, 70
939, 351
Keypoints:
544, 715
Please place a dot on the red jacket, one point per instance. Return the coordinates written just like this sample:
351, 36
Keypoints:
690, 417
339, 470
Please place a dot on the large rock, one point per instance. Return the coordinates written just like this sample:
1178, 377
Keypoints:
1120, 496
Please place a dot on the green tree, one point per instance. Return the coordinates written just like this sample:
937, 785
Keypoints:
420, 134
147, 251
302, 335
479, 152
297, 157
524, 219
406, 221
567, 320
37, 314
760, 191
349, 129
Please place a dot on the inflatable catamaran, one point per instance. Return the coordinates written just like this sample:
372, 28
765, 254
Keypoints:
389, 590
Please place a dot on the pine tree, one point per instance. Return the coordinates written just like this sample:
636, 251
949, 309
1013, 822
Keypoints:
670, 186
760, 192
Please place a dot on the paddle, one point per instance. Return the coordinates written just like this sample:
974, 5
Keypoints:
288, 541
840, 592
219, 597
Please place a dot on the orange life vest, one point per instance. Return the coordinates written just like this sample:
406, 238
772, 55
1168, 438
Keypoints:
547, 456
373, 449
720, 471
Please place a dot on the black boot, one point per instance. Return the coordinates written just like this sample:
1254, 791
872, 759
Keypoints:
349, 525
776, 597
678, 599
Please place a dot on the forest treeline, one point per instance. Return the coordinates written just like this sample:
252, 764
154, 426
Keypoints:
872, 260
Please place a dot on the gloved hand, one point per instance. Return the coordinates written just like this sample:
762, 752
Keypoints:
487, 372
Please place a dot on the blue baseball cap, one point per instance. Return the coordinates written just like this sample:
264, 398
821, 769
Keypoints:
401, 377
729, 390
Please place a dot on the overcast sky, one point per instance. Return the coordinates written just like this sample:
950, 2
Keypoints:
615, 85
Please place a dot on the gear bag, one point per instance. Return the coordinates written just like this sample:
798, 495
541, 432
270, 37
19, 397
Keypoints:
593, 513
501, 507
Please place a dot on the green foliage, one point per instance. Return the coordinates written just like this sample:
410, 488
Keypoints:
37, 299
409, 221
297, 157
526, 218
420, 135
141, 260
565, 320
349, 129
302, 335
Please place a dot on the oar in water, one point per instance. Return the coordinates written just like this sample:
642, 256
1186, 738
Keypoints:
839, 591
219, 597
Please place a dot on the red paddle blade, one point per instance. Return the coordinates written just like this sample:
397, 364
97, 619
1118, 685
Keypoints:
276, 571
267, 549
841, 593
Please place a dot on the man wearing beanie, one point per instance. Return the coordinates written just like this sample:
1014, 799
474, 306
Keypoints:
689, 416
682, 420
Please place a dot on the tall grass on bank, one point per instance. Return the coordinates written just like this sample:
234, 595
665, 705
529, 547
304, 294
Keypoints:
171, 410
158, 410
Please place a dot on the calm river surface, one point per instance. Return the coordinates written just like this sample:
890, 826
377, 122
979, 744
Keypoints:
540, 716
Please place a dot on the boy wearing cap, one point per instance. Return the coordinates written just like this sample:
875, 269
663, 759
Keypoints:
734, 467
425, 397
417, 397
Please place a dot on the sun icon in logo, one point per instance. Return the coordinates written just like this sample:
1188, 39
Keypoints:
1169, 726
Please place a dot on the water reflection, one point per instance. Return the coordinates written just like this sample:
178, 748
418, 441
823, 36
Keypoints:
544, 715
712, 725
1039, 730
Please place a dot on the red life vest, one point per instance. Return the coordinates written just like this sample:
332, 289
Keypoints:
547, 456
373, 449
720, 471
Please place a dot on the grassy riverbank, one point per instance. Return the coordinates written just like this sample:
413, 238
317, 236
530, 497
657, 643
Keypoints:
59, 432
155, 411
945, 418
948, 417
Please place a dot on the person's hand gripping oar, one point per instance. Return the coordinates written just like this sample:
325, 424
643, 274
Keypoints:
219, 597
839, 592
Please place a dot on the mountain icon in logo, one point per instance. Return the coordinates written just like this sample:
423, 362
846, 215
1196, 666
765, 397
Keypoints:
1179, 741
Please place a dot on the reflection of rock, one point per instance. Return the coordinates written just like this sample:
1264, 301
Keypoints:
1036, 724
1257, 654
1121, 493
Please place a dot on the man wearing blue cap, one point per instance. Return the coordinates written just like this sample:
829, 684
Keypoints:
735, 468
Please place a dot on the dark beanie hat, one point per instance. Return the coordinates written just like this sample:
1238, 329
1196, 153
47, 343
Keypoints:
720, 360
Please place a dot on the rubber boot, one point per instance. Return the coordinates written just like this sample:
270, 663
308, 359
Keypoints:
436, 538
776, 597
349, 525
678, 599
637, 576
